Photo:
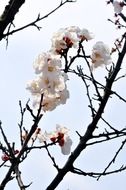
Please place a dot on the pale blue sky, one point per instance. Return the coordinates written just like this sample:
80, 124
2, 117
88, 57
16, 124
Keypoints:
16, 70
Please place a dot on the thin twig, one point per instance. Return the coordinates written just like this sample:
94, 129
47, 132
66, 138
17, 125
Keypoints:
114, 158
51, 157
38, 19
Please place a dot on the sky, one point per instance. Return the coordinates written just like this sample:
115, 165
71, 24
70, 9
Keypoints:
16, 70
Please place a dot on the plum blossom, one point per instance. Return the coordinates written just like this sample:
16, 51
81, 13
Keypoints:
65, 141
60, 136
50, 81
65, 149
62, 40
84, 34
100, 55
51, 100
118, 6
63, 96
46, 62
34, 86
69, 37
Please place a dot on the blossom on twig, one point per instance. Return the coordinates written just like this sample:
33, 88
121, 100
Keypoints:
118, 6
100, 55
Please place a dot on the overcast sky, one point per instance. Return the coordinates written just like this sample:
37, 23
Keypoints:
16, 70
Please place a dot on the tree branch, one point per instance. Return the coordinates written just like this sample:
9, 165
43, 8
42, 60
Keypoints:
2, 35
8, 15
91, 127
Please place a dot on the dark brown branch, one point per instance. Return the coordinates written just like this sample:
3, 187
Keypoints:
88, 93
7, 178
96, 174
16, 160
8, 15
6, 141
98, 83
108, 137
33, 128
91, 74
114, 158
90, 129
22, 111
123, 17
34, 23
40, 147
52, 158
18, 177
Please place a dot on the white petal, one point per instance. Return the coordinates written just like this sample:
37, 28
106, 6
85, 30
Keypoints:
66, 148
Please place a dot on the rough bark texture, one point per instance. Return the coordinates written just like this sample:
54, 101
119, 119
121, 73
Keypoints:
8, 15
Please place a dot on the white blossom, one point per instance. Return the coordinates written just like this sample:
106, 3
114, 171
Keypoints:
46, 62
100, 55
118, 6
34, 86
66, 148
51, 135
65, 142
60, 136
84, 34
63, 96
61, 129
50, 81
62, 40
49, 102
73, 29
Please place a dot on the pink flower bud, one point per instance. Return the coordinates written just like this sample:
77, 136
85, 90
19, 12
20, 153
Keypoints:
4, 157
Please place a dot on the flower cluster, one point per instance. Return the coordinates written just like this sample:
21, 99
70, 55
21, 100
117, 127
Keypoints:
69, 37
50, 81
60, 136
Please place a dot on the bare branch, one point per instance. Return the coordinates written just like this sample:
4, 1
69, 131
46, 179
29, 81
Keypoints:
22, 111
8, 15
52, 158
92, 126
114, 158
19, 179
34, 23
96, 174
6, 141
